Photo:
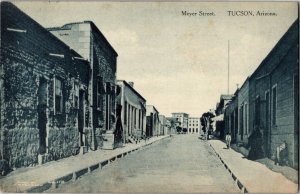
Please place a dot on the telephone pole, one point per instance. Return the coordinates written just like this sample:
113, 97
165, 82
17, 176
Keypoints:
228, 67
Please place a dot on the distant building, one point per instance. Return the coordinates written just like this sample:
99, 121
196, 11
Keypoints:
174, 123
153, 124
165, 125
168, 127
133, 111
183, 118
218, 120
243, 106
231, 117
194, 125
90, 43
224, 101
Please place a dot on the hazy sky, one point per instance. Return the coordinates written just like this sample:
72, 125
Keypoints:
178, 63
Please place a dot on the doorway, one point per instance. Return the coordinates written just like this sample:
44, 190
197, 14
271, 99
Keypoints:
266, 131
296, 121
81, 118
42, 116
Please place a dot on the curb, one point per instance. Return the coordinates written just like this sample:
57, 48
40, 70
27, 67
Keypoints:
73, 176
238, 183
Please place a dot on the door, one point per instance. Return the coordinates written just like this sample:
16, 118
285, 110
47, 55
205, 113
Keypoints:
266, 134
42, 117
242, 122
81, 118
296, 121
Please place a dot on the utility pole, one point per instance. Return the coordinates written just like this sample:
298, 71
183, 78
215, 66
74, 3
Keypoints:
228, 67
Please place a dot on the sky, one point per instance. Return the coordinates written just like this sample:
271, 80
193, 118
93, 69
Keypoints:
178, 63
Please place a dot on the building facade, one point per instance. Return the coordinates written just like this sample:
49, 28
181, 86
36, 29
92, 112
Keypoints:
225, 99
44, 93
274, 96
133, 111
268, 101
174, 123
183, 118
218, 120
165, 125
243, 114
231, 118
90, 43
194, 125
152, 124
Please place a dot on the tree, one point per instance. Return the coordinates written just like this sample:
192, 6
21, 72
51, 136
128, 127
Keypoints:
206, 122
179, 129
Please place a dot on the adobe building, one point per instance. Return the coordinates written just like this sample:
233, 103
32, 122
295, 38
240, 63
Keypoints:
274, 96
133, 112
89, 42
231, 117
243, 106
165, 125
222, 104
44, 93
218, 120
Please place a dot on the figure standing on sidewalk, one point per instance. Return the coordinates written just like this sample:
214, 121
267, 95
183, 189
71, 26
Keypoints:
255, 143
228, 140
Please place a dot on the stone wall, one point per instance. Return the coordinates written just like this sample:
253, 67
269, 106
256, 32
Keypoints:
26, 60
104, 71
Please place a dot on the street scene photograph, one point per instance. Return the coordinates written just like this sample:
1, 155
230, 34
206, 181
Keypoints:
149, 97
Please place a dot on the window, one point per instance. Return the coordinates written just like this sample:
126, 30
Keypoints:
267, 109
142, 113
241, 121
134, 117
257, 111
99, 86
140, 119
274, 104
58, 96
246, 118
107, 111
107, 105
76, 93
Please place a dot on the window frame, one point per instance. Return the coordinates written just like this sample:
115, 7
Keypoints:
274, 114
61, 107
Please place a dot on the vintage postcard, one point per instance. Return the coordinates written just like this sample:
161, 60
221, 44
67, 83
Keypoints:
149, 97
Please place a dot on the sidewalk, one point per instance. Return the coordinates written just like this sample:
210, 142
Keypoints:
51, 174
251, 176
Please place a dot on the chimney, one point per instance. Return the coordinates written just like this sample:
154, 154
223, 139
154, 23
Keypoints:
131, 84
